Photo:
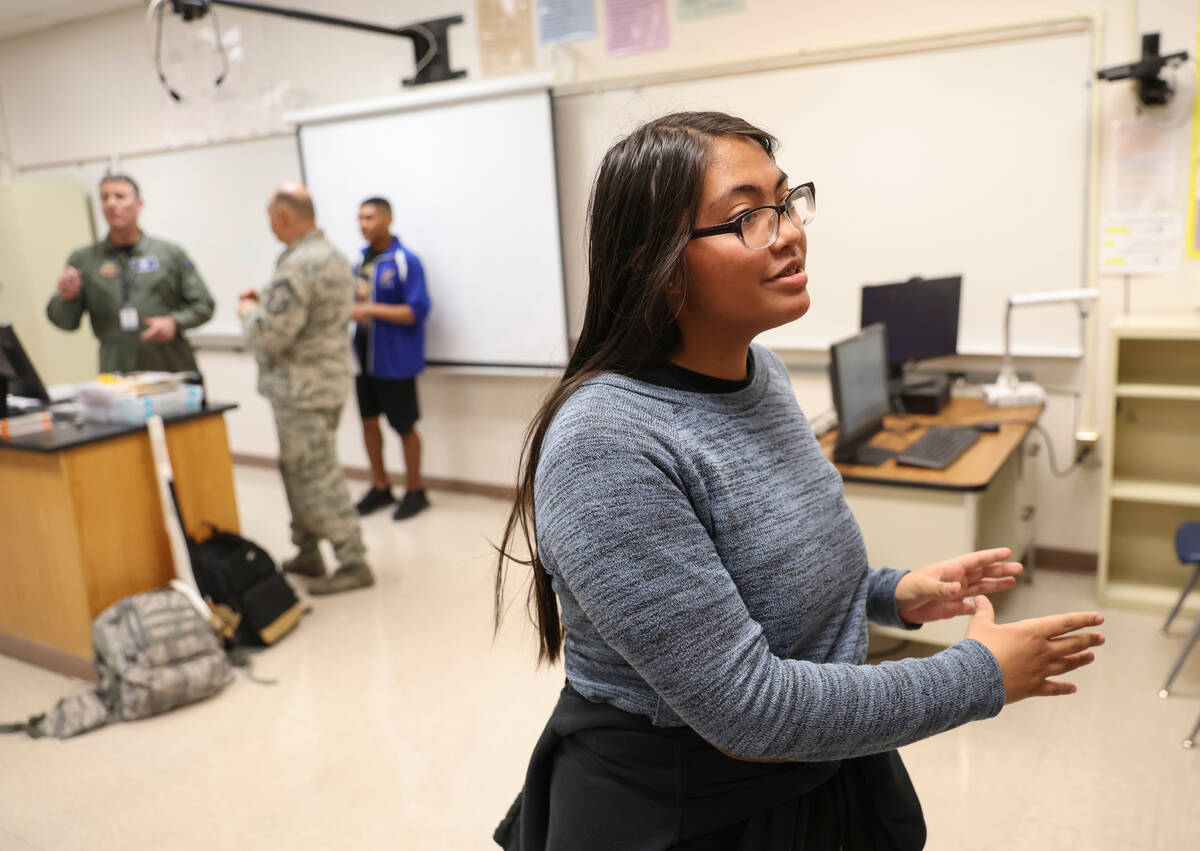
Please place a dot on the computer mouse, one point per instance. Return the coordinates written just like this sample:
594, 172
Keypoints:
987, 427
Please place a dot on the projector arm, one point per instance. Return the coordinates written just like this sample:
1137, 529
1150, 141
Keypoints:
432, 66
1008, 390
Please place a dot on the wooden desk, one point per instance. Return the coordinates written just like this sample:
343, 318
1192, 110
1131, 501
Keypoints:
911, 516
81, 526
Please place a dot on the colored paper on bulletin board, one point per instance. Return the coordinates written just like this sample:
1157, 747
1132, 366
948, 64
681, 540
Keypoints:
566, 20
635, 26
691, 9
505, 36
1193, 226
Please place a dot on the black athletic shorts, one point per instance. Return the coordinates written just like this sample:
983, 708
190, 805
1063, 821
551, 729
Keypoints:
395, 399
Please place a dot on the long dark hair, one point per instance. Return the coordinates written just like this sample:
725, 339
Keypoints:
640, 217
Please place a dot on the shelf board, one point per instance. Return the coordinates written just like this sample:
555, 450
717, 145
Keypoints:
1129, 390
1149, 598
1150, 490
1162, 327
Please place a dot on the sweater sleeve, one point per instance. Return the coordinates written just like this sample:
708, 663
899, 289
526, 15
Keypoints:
617, 526
881, 598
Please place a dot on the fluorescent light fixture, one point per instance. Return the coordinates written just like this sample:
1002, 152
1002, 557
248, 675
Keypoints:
1008, 391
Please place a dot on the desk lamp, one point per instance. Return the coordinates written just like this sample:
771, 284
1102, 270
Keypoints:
1008, 391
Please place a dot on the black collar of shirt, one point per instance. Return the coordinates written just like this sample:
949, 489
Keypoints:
666, 374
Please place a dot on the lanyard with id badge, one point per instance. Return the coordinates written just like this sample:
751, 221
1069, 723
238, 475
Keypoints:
136, 265
129, 313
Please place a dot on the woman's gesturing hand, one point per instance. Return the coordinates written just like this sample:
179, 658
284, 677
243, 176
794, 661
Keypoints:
949, 587
1031, 651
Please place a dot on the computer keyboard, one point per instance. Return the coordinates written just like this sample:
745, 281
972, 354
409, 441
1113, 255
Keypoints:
938, 448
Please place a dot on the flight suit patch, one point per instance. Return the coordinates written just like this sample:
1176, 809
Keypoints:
144, 264
108, 269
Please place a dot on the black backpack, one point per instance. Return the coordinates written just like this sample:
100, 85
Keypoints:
238, 573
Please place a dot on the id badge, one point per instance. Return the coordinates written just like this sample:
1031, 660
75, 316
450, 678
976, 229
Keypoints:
129, 319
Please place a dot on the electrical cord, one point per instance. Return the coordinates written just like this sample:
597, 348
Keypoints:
431, 39
1052, 459
156, 9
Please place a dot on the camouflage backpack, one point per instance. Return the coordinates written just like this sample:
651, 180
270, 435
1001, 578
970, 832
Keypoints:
153, 653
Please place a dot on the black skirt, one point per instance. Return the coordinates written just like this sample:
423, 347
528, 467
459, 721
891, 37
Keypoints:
601, 779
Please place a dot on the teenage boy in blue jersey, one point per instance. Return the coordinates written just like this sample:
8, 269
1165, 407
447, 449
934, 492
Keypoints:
390, 307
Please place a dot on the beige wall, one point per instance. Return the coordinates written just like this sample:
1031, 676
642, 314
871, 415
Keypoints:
39, 224
95, 95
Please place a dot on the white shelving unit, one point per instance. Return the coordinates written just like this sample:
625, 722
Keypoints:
1152, 460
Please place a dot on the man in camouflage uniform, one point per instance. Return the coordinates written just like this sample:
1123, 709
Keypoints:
296, 328
140, 292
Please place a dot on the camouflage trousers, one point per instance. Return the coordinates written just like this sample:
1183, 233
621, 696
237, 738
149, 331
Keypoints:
316, 487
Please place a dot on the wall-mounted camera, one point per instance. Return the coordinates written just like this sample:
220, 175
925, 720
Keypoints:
1152, 90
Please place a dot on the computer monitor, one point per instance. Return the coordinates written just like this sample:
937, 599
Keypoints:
858, 376
17, 375
921, 318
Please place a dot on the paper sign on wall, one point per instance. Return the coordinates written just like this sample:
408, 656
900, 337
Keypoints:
1144, 176
636, 25
1141, 245
566, 20
505, 36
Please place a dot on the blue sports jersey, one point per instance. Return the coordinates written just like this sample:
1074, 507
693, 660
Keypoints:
395, 351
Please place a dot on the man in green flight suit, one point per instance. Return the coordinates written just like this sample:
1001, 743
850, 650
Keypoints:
297, 328
140, 292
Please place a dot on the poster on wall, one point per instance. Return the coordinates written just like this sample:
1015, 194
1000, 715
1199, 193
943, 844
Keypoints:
635, 26
561, 21
505, 36
1143, 179
1140, 233
1140, 244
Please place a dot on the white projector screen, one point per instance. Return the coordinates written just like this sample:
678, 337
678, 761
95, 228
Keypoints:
469, 171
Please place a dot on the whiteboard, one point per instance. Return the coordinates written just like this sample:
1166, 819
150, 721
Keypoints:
968, 160
212, 202
469, 171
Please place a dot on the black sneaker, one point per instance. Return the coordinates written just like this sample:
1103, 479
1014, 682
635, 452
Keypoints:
375, 499
414, 502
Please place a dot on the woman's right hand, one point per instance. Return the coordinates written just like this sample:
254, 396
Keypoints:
1031, 651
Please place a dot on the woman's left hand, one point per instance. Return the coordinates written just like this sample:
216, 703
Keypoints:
948, 588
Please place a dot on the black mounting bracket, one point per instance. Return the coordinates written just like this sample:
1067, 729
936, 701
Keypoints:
1152, 90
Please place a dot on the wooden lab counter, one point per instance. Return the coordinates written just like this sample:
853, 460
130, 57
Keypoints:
81, 525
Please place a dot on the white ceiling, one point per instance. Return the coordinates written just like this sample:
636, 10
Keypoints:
18, 17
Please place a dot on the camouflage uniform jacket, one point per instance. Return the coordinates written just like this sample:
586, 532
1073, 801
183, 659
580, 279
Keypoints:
158, 279
298, 330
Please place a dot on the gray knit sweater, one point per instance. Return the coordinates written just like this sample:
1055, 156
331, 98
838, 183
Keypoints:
711, 574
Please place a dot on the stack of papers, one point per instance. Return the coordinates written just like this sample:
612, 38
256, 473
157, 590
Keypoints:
138, 383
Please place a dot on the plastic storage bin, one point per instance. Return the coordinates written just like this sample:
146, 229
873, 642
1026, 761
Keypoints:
102, 407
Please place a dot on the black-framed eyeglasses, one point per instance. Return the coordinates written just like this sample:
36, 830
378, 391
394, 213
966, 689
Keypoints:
758, 229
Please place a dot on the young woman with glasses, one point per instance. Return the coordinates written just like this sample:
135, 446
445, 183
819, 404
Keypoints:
713, 585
